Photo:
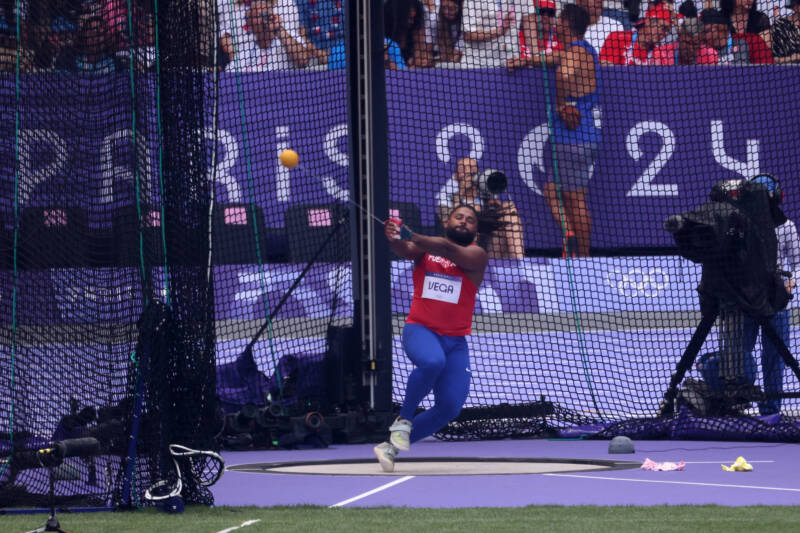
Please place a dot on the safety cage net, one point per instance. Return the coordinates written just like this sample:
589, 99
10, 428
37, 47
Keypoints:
178, 225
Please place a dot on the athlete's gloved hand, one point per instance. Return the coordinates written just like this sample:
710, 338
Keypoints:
403, 231
406, 233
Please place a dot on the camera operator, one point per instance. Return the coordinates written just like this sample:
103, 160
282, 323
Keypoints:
736, 365
748, 250
772, 364
464, 188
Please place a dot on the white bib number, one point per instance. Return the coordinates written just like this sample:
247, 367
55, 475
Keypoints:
441, 287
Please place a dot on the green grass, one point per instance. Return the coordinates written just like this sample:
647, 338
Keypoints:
682, 519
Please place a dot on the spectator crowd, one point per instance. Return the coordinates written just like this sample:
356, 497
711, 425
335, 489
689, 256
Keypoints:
516, 33
99, 36
76, 36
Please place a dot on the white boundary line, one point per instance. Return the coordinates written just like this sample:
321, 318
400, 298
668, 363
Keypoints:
676, 482
244, 524
720, 462
371, 492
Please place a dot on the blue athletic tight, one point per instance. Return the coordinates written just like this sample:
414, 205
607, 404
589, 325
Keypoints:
442, 365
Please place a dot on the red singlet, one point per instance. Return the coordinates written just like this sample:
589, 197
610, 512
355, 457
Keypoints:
444, 297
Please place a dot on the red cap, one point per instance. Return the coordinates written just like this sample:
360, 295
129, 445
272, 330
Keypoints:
657, 11
545, 4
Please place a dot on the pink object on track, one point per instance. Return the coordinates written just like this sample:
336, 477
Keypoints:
649, 464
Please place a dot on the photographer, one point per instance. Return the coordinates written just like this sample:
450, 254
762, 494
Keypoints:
464, 188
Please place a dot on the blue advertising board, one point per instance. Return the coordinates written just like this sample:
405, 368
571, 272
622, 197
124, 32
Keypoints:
669, 133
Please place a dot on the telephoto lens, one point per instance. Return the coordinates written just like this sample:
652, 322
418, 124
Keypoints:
492, 182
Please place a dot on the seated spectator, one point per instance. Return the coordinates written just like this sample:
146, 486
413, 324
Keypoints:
637, 47
323, 21
132, 39
463, 189
696, 6
430, 10
746, 18
537, 36
687, 50
36, 31
446, 39
63, 35
143, 51
441, 21
688, 10
599, 27
786, 36
392, 54
491, 35
392, 57
618, 10
538, 29
732, 49
672, 36
115, 16
264, 36
93, 52
402, 24
600, 24
235, 38
8, 38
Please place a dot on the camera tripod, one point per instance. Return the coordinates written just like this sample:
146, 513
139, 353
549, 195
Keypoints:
695, 344
52, 520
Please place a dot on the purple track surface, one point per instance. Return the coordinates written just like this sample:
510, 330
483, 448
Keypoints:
775, 479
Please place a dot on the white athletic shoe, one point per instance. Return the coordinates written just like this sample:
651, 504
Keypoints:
400, 435
385, 453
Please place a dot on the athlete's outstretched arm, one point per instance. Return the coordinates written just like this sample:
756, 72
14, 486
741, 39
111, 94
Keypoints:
469, 258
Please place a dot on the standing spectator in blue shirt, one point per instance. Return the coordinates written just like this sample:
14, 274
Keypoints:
576, 134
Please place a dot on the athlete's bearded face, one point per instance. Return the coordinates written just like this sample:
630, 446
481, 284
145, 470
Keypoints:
462, 226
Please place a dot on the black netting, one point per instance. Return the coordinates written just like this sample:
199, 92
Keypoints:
283, 278
587, 305
107, 293
172, 275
